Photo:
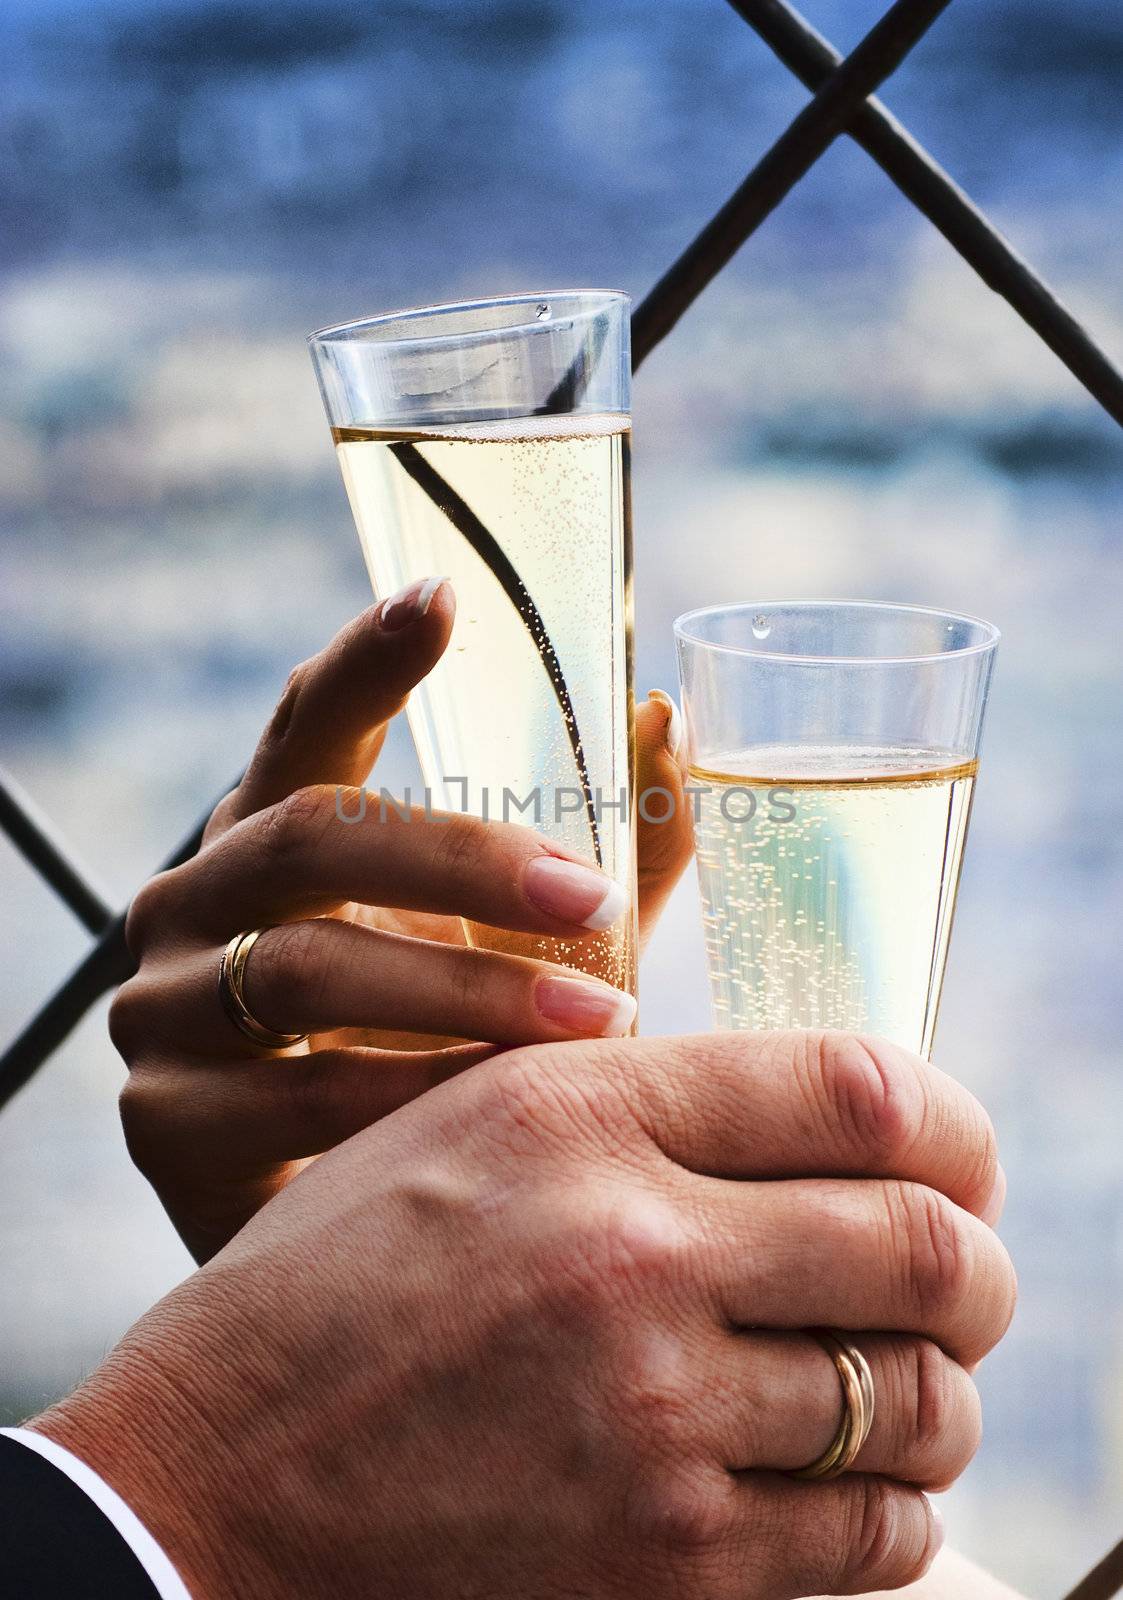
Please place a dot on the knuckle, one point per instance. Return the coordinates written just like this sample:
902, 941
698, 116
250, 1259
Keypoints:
636, 1249
469, 988
505, 850
937, 1251
223, 817
288, 828
132, 1103
129, 1018
295, 685
459, 847
149, 911
872, 1526
679, 1513
883, 1544
869, 1092
934, 1396
655, 1412
997, 1290
296, 680
942, 1422
983, 1159
143, 1112
1008, 1296
289, 960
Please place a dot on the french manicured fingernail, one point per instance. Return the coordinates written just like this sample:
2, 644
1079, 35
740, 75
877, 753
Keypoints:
573, 893
409, 604
939, 1532
582, 1005
993, 1208
673, 734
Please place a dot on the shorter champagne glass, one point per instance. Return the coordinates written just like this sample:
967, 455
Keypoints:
833, 750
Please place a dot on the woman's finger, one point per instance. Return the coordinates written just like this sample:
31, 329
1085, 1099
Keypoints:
240, 1117
321, 975
323, 847
664, 839
776, 1402
331, 720
306, 977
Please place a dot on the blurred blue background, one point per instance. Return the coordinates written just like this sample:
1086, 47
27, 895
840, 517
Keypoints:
185, 191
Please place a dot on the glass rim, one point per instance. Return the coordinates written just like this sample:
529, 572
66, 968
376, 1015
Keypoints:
339, 331
682, 631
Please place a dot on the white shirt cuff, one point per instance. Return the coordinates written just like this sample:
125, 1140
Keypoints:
163, 1576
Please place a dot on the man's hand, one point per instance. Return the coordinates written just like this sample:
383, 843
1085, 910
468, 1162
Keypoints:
539, 1333
370, 957
953, 1578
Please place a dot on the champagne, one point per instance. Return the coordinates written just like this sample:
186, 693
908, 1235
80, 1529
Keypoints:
828, 879
529, 712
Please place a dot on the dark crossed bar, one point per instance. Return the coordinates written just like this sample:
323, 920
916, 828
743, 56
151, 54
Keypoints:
923, 181
34, 839
1104, 1580
107, 965
777, 173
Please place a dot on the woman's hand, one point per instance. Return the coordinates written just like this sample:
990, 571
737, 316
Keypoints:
364, 951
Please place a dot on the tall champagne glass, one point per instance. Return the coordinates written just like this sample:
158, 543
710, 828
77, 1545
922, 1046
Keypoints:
490, 442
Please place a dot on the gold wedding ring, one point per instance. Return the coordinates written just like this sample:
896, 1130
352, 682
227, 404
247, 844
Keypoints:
231, 976
857, 1407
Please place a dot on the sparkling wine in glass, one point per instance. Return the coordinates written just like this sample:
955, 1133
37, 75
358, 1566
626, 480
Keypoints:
490, 442
834, 751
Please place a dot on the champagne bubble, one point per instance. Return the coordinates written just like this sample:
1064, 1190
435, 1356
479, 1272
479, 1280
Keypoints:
761, 627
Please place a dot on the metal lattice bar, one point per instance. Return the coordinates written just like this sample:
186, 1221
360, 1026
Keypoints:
34, 838
923, 181
842, 103
107, 965
777, 173
1104, 1580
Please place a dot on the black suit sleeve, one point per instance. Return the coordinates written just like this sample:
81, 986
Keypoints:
54, 1542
